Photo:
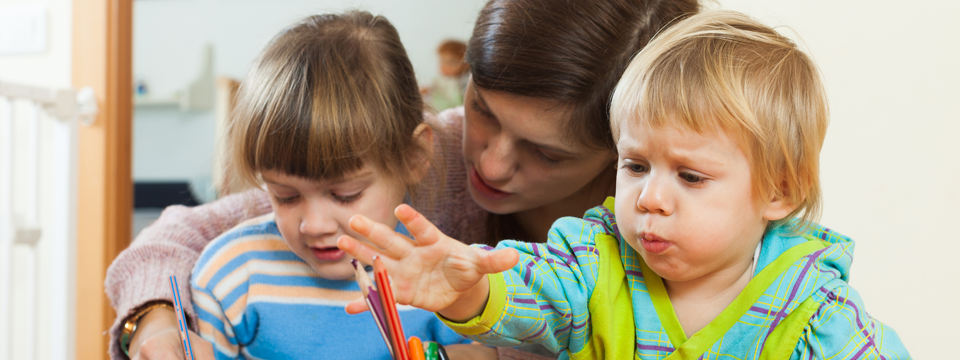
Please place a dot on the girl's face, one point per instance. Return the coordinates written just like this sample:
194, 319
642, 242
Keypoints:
517, 155
311, 214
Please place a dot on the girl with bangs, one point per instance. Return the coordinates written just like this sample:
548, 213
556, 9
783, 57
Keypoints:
329, 121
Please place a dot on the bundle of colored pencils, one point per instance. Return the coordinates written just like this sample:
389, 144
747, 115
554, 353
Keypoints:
383, 307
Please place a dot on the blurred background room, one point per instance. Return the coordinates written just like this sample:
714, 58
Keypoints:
78, 183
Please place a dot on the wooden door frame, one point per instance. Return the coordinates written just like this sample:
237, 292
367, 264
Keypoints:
102, 53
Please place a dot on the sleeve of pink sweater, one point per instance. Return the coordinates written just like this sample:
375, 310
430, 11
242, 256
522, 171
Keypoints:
171, 246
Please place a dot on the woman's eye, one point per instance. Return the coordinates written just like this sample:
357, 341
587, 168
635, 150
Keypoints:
347, 199
691, 178
484, 112
546, 159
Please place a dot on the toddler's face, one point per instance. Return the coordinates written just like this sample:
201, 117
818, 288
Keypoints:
684, 201
311, 215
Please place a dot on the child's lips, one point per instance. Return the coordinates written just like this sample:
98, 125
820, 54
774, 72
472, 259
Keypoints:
329, 253
653, 243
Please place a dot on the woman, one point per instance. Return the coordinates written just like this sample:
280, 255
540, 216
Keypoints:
533, 133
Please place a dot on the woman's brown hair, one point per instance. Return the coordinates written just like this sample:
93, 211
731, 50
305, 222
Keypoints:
327, 96
571, 52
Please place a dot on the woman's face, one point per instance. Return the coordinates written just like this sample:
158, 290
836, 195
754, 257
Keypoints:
517, 154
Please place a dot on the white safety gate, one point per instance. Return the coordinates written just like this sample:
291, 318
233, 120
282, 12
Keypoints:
38, 167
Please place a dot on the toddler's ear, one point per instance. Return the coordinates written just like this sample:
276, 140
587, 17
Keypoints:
778, 208
423, 135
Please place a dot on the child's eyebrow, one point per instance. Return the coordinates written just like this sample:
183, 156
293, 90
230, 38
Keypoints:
365, 173
626, 146
359, 175
273, 182
689, 157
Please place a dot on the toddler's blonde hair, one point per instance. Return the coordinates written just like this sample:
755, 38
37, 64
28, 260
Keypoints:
724, 71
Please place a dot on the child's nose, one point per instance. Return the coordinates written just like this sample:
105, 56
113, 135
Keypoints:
655, 196
316, 222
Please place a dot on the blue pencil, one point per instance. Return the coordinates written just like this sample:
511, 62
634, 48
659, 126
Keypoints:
178, 308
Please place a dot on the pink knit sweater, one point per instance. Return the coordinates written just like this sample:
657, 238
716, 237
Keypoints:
172, 244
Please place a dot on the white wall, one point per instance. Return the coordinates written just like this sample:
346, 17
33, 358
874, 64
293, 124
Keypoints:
892, 154
169, 37
51, 69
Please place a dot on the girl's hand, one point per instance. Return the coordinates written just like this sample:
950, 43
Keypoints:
434, 272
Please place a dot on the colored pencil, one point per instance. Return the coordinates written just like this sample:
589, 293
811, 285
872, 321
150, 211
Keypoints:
432, 352
390, 309
376, 307
178, 308
416, 349
372, 299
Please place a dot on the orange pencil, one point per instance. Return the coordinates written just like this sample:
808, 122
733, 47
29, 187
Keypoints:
390, 310
416, 349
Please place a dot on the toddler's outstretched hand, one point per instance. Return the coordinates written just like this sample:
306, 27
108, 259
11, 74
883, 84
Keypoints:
435, 272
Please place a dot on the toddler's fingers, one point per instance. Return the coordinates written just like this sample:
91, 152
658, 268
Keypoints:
491, 262
394, 245
422, 229
356, 249
357, 306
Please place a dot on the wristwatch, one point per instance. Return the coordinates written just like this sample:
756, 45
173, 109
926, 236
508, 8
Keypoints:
130, 326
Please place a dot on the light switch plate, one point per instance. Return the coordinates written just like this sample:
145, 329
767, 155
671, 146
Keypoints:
23, 29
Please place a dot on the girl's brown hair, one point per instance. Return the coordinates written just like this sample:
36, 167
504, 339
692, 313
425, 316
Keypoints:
570, 52
327, 96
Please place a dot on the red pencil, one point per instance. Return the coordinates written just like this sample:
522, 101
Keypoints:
401, 352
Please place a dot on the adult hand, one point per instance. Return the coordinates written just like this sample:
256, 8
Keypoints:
434, 273
158, 338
